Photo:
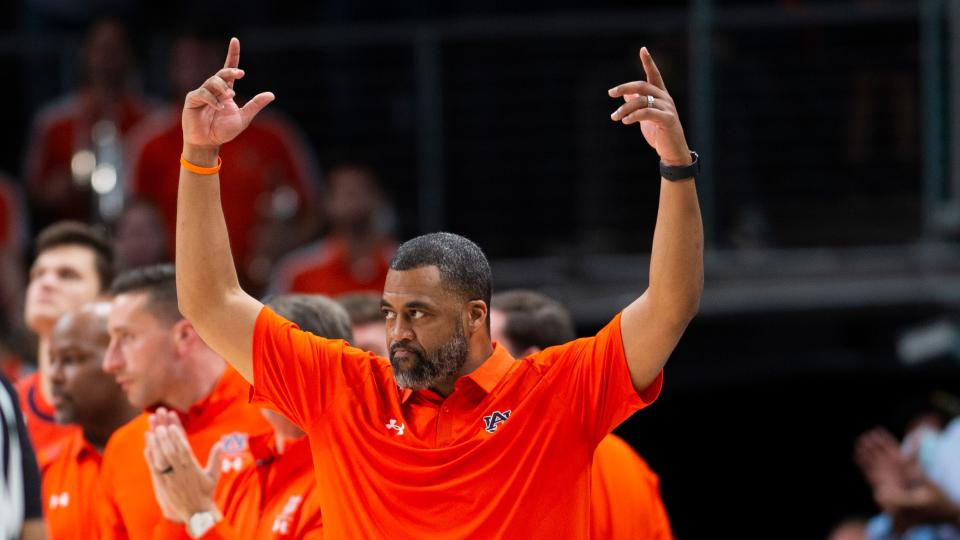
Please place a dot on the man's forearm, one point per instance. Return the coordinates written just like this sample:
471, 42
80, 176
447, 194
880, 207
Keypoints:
676, 260
205, 268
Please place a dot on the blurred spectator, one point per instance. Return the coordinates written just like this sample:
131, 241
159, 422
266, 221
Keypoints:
77, 141
849, 529
159, 360
21, 515
86, 396
355, 254
272, 173
916, 484
625, 493
74, 264
277, 498
366, 316
140, 236
13, 223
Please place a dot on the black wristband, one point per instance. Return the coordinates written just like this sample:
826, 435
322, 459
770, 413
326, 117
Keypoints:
681, 173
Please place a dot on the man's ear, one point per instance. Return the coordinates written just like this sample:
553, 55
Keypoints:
184, 337
477, 313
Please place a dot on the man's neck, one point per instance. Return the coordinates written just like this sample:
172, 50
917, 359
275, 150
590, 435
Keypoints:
43, 368
107, 422
195, 382
476, 356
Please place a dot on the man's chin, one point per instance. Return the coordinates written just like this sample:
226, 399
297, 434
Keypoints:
406, 382
63, 417
41, 321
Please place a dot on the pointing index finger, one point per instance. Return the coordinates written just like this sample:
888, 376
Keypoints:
649, 67
233, 56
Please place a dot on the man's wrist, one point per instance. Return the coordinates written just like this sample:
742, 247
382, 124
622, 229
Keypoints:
674, 173
682, 159
202, 156
199, 523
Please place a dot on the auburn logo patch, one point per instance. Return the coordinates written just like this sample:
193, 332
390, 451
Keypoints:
490, 423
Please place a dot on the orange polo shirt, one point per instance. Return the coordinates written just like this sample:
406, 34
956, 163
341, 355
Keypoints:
325, 267
625, 501
507, 453
277, 498
46, 434
129, 508
71, 489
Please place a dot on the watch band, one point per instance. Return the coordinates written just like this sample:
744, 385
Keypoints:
201, 522
681, 173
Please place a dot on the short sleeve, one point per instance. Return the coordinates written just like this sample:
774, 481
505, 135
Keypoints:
599, 380
300, 374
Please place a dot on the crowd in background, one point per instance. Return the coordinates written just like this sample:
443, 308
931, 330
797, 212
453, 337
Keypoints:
106, 156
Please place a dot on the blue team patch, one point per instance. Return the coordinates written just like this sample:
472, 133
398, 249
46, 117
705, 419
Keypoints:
234, 443
494, 420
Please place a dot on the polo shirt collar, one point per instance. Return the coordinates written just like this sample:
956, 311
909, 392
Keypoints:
80, 448
487, 376
491, 372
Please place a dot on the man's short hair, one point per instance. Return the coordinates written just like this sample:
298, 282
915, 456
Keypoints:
464, 268
363, 307
534, 319
313, 313
74, 233
159, 282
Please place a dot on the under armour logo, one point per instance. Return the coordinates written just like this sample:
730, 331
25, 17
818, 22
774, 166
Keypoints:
234, 464
292, 504
495, 419
280, 526
394, 425
61, 500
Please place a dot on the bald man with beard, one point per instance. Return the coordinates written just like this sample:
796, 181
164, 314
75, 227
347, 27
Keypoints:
86, 396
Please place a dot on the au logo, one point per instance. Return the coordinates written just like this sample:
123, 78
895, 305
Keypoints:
494, 420
234, 451
234, 443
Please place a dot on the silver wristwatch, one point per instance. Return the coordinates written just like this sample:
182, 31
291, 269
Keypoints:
201, 522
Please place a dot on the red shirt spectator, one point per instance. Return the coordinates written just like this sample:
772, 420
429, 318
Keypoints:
325, 268
58, 187
268, 156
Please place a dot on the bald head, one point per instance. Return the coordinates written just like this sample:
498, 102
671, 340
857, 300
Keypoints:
82, 393
88, 322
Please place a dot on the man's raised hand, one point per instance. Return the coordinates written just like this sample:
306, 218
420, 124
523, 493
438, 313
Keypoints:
211, 117
657, 117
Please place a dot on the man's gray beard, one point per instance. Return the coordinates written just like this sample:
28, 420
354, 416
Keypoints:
442, 364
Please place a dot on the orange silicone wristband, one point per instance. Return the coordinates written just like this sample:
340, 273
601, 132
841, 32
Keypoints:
198, 169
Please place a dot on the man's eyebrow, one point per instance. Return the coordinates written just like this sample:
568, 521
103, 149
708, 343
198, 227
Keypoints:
413, 304
418, 304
